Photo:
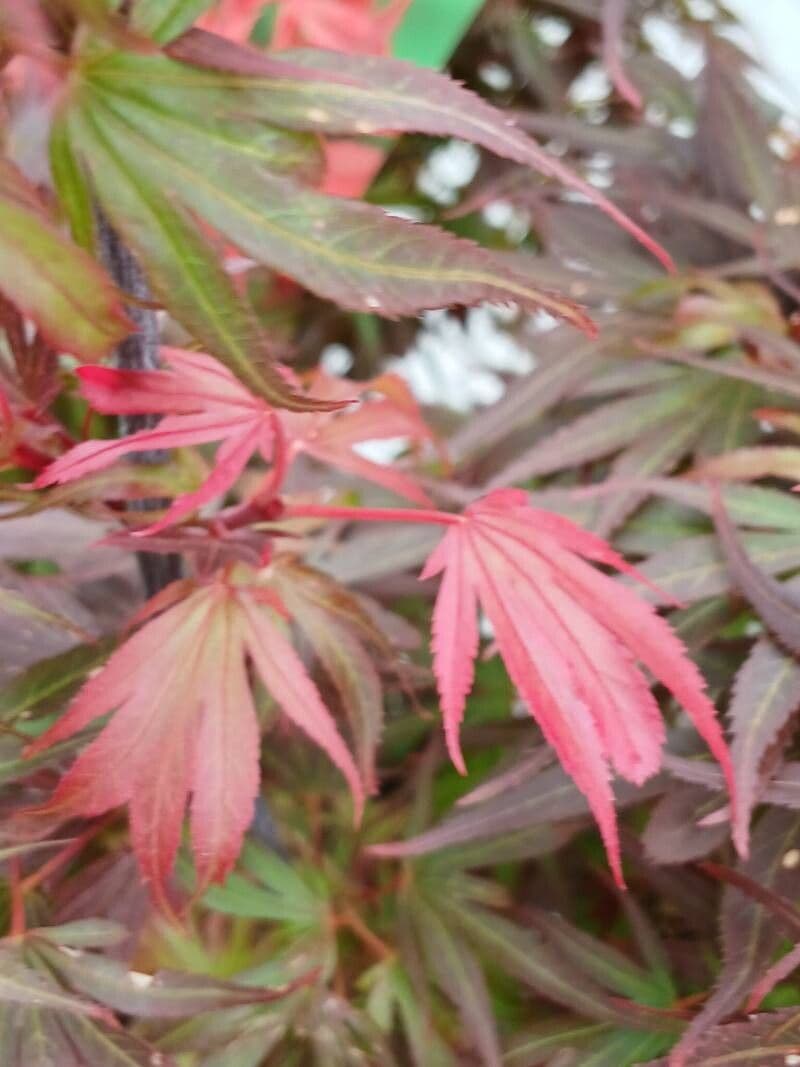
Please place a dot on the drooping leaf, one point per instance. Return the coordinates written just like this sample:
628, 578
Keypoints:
179, 262
373, 94
555, 618
54, 282
346, 251
337, 627
185, 723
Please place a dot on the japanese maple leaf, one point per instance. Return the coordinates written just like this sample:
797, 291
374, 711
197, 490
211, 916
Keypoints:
27, 439
184, 724
570, 637
202, 401
362, 26
350, 167
387, 410
233, 19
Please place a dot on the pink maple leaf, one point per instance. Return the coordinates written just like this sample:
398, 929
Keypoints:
570, 637
361, 26
202, 402
233, 19
355, 26
184, 725
387, 410
350, 167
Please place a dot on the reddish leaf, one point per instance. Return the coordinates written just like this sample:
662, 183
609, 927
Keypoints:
387, 410
337, 628
368, 94
202, 401
185, 725
675, 833
613, 23
778, 972
569, 636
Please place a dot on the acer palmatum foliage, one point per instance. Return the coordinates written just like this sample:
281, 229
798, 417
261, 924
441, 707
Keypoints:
185, 726
287, 675
202, 402
570, 637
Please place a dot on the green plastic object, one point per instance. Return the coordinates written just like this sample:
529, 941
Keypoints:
432, 30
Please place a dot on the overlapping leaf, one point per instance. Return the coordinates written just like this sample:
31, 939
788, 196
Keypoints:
572, 661
57, 284
368, 94
749, 939
185, 725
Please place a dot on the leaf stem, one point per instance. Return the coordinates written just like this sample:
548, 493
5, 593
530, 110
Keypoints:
63, 856
414, 515
17, 887
350, 920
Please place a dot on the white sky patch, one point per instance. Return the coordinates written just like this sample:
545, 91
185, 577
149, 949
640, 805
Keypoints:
772, 35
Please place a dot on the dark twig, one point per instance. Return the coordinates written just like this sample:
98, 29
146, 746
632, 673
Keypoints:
139, 351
